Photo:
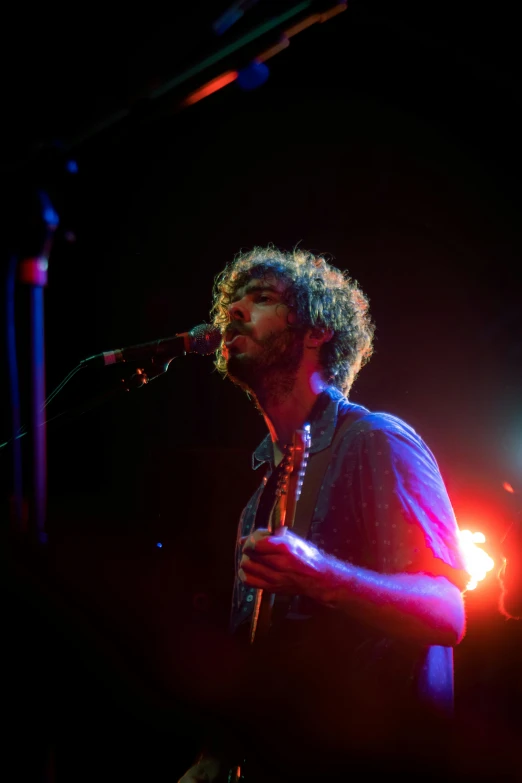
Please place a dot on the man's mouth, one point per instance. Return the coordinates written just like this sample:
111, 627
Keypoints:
231, 336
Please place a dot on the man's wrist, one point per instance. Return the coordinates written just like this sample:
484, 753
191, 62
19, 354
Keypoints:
332, 579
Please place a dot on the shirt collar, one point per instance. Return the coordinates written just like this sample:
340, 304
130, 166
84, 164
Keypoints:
322, 420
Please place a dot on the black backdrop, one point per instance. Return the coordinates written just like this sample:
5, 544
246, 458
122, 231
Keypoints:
385, 138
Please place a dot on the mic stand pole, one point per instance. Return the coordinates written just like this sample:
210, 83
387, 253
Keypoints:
28, 567
32, 271
29, 236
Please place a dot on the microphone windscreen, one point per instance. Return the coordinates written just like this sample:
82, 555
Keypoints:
204, 339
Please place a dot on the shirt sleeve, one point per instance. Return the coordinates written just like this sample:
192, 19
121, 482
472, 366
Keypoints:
401, 499
242, 596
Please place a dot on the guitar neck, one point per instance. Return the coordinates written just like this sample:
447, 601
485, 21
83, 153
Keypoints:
283, 515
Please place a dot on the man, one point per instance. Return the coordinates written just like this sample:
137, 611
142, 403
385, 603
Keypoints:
360, 669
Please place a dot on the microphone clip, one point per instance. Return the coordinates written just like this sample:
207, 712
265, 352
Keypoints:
142, 376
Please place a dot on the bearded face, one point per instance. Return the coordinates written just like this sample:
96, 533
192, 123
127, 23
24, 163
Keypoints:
267, 366
262, 347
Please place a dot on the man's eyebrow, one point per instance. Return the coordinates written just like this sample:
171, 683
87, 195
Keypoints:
256, 288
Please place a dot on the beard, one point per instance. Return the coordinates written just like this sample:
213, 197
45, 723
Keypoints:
269, 374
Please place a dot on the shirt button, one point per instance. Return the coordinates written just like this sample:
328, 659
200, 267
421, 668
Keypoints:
250, 597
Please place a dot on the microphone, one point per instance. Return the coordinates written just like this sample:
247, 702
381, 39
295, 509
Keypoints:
203, 339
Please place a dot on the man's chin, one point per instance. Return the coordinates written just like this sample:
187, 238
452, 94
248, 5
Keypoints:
240, 372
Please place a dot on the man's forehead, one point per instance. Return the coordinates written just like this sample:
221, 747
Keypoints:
264, 283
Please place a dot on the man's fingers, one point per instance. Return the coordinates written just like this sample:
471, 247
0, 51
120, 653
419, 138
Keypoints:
282, 530
270, 560
268, 544
252, 570
255, 537
255, 579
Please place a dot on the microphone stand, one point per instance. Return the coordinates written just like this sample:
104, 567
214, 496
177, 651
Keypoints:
28, 241
29, 246
138, 379
28, 567
30, 223
32, 271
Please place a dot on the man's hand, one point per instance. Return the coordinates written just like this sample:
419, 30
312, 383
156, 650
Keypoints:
204, 771
281, 563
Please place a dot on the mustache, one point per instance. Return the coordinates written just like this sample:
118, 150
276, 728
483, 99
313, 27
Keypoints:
232, 330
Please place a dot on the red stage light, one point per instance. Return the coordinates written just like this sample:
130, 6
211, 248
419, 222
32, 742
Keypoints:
478, 563
213, 86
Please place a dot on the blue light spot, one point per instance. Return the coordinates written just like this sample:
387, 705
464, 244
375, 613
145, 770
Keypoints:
72, 167
159, 544
254, 75
51, 216
227, 20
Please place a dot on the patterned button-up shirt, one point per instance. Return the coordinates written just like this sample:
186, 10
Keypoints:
383, 506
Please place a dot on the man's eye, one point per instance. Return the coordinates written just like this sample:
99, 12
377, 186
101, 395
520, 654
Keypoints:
264, 298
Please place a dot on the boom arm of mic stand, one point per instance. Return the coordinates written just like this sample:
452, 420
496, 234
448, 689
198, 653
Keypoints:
138, 379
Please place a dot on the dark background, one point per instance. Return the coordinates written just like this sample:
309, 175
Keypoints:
388, 138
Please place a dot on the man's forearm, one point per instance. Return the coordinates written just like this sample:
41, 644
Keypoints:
423, 608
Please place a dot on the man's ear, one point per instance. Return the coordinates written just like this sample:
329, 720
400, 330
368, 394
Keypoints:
316, 336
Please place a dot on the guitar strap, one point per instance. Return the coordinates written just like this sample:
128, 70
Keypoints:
315, 473
305, 508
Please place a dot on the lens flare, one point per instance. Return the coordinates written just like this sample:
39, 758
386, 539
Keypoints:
478, 563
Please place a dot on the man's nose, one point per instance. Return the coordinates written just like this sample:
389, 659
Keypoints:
237, 311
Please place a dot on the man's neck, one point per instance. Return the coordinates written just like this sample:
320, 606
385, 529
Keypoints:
283, 417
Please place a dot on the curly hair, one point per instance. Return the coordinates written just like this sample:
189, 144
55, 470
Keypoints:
320, 296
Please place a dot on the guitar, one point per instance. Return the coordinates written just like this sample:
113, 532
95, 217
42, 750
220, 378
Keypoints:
288, 491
